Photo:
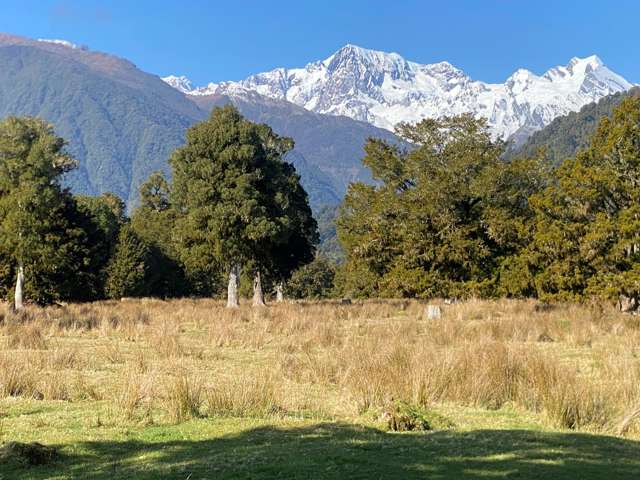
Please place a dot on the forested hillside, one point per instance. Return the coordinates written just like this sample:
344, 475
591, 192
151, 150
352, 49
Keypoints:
122, 124
563, 137
120, 130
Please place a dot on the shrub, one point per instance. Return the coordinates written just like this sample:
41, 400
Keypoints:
312, 281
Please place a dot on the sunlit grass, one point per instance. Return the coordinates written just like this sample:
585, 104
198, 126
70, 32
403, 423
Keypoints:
103, 374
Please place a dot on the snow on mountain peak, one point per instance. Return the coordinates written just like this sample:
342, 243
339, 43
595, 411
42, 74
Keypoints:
384, 89
592, 61
522, 75
185, 85
180, 82
63, 43
363, 55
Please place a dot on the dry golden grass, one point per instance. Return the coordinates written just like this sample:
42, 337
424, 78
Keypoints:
575, 365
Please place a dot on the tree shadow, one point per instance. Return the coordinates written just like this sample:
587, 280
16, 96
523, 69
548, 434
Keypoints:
329, 451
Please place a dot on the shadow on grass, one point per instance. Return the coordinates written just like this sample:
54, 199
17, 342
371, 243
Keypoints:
346, 451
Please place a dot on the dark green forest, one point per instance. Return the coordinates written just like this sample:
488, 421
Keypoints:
451, 217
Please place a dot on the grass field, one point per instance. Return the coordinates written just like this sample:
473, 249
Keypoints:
186, 389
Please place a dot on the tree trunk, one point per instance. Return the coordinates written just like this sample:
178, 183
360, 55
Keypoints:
279, 292
628, 303
232, 287
17, 299
258, 296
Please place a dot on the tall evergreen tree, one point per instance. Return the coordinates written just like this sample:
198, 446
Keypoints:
104, 216
313, 280
229, 191
153, 221
35, 235
131, 268
294, 243
587, 235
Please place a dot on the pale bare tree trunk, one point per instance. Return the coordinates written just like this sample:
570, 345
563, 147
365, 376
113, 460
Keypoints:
279, 292
232, 287
17, 298
258, 296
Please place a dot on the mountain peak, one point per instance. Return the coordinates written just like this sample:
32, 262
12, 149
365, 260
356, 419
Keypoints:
521, 79
592, 61
353, 53
350, 47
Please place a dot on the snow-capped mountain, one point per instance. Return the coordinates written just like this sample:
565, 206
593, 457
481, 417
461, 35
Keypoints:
385, 89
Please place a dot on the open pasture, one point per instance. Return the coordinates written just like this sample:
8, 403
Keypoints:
188, 389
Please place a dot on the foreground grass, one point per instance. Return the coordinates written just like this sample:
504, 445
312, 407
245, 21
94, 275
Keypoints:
189, 390
222, 448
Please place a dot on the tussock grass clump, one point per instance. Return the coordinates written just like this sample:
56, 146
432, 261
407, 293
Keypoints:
130, 394
575, 405
628, 422
28, 453
405, 417
27, 336
63, 359
165, 341
16, 379
183, 397
255, 396
112, 353
53, 386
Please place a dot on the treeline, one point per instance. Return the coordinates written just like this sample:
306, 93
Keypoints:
235, 216
448, 217
451, 218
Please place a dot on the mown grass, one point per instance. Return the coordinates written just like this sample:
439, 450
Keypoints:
188, 389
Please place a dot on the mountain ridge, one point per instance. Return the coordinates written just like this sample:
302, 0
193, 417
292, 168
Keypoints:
384, 88
122, 123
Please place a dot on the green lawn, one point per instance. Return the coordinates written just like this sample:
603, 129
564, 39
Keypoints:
94, 447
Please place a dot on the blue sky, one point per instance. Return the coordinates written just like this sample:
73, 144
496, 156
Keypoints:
213, 41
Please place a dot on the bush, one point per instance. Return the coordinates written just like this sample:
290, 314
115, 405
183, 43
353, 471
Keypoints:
313, 281
404, 417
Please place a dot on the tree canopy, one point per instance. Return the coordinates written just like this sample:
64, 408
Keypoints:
452, 218
438, 223
587, 221
41, 236
237, 201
